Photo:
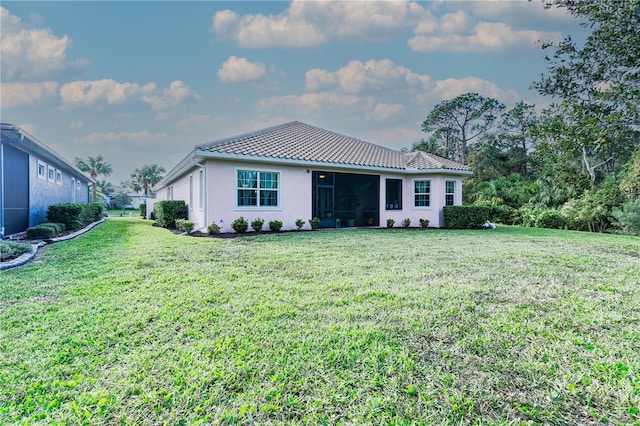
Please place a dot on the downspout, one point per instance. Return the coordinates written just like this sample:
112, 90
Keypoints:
204, 186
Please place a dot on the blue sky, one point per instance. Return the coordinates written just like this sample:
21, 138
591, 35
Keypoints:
144, 82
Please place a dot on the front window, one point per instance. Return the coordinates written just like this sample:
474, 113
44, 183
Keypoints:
257, 188
422, 193
201, 189
58, 177
394, 194
449, 192
51, 174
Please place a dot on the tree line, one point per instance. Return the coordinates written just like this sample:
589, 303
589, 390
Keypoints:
575, 163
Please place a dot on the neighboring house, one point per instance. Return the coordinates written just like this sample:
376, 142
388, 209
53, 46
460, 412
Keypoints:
297, 171
32, 177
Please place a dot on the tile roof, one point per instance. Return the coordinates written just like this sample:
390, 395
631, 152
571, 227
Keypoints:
303, 142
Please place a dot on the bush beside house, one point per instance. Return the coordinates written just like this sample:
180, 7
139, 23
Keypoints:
166, 212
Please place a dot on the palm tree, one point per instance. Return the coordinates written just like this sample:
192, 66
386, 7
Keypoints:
145, 178
95, 166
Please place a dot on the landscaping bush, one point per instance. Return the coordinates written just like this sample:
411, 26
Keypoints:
184, 225
315, 223
240, 225
503, 214
11, 249
91, 212
550, 218
390, 223
424, 223
257, 224
465, 217
58, 227
406, 222
143, 210
67, 213
40, 231
166, 212
299, 224
628, 218
275, 225
213, 229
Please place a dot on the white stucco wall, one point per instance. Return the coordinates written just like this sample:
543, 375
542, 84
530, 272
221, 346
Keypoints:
295, 197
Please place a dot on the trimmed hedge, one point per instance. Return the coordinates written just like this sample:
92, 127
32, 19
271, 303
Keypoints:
143, 210
466, 217
67, 213
92, 212
41, 231
166, 212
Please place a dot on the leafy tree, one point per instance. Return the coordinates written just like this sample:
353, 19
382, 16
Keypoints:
598, 83
516, 131
121, 199
462, 119
145, 178
95, 166
631, 181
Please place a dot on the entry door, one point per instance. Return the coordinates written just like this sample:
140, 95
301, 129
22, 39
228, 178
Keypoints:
324, 199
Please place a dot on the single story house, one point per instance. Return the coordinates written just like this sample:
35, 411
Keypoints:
298, 171
32, 177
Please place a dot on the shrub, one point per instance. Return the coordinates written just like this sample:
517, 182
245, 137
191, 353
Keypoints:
91, 212
406, 222
40, 231
12, 249
424, 223
276, 225
257, 224
166, 212
143, 210
299, 224
184, 225
628, 218
503, 214
58, 227
240, 225
550, 218
213, 229
390, 223
315, 223
67, 213
465, 217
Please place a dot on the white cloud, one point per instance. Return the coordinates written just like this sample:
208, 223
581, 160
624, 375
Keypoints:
33, 54
141, 138
356, 77
101, 92
237, 69
387, 112
484, 37
27, 94
452, 87
318, 103
194, 120
173, 96
311, 23
76, 125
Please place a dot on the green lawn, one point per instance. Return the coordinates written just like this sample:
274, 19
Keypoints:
130, 324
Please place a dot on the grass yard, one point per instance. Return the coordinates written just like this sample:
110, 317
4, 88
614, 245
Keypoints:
130, 324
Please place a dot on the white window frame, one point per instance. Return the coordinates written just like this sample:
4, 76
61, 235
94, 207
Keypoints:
59, 177
414, 193
73, 190
258, 172
452, 194
42, 164
51, 174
